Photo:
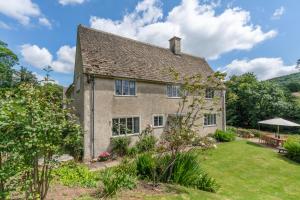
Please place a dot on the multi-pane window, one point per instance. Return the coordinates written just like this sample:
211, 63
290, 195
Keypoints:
210, 119
158, 120
125, 87
174, 91
125, 126
209, 93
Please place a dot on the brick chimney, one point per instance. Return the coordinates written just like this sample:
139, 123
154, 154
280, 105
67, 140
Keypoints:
175, 45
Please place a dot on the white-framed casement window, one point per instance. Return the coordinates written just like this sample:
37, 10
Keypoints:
158, 120
125, 126
174, 91
209, 93
210, 119
125, 88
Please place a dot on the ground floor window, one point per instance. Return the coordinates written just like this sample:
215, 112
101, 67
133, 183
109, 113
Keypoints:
210, 119
158, 120
125, 126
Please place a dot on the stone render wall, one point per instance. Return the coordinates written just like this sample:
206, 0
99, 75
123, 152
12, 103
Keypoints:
150, 99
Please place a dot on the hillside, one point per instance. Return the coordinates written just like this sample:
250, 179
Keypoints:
291, 81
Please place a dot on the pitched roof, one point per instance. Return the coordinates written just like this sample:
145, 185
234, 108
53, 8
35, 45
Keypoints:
106, 54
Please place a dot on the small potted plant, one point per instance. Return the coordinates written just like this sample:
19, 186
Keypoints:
104, 156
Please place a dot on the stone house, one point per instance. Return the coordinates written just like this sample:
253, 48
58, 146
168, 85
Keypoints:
120, 82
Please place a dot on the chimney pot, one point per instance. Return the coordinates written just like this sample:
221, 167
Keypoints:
175, 45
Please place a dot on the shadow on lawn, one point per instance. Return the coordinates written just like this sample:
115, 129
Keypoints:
278, 155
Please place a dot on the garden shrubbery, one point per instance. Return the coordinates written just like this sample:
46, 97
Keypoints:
292, 145
224, 136
183, 170
120, 145
73, 174
146, 143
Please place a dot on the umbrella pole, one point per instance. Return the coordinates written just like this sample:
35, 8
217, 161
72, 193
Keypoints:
278, 130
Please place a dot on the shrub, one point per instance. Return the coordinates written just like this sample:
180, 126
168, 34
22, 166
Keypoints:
206, 142
132, 151
292, 146
114, 179
146, 143
104, 156
120, 145
146, 166
224, 136
187, 172
72, 174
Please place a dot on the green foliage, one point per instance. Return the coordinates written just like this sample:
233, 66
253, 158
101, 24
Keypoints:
73, 174
122, 177
32, 122
132, 151
249, 101
146, 143
7, 61
146, 166
292, 146
224, 136
291, 82
120, 145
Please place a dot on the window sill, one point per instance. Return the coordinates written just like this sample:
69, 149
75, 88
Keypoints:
174, 97
128, 135
157, 127
125, 95
208, 126
209, 98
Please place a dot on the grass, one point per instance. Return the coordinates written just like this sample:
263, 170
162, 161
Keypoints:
245, 171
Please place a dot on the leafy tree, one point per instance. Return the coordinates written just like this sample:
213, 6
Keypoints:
183, 127
249, 101
32, 125
7, 60
25, 76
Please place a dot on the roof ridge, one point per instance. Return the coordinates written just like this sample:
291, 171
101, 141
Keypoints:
137, 41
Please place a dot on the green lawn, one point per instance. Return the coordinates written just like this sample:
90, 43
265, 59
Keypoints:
246, 171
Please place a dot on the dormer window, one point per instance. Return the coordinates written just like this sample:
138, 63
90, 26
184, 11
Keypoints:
209, 93
125, 88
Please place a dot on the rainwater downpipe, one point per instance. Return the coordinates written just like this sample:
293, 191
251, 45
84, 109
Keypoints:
93, 116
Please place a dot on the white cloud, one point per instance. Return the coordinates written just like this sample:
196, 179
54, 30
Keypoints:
70, 2
4, 26
45, 22
263, 68
41, 57
278, 13
21, 10
204, 32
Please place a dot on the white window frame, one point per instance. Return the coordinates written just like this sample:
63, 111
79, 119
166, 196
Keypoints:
119, 130
211, 93
177, 91
127, 95
211, 121
163, 120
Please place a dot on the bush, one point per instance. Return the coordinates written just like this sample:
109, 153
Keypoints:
72, 174
292, 146
224, 136
132, 151
206, 142
187, 172
146, 166
184, 170
146, 143
104, 156
120, 145
123, 176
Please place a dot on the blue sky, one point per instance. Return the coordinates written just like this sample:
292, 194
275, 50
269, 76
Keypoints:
235, 36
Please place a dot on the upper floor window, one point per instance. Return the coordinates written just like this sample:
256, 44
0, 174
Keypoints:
158, 120
209, 93
173, 90
210, 119
125, 126
125, 87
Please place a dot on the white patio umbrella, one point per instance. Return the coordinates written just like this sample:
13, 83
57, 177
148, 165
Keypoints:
279, 122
